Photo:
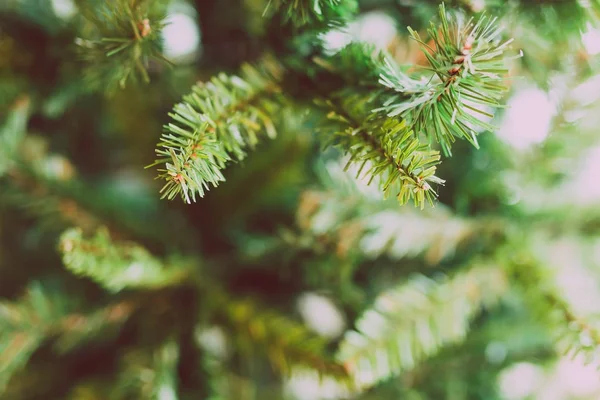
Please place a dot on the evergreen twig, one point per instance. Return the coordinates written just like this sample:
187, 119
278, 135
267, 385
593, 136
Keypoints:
384, 149
215, 124
124, 36
469, 70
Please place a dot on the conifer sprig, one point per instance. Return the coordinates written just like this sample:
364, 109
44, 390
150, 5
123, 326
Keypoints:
463, 84
214, 125
124, 35
383, 149
469, 71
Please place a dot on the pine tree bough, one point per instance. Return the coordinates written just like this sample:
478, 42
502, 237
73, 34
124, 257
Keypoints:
387, 150
214, 125
381, 131
125, 35
469, 72
119, 266
465, 78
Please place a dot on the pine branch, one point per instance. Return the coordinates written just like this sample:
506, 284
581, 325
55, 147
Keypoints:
215, 124
124, 36
415, 320
304, 12
383, 150
468, 65
117, 266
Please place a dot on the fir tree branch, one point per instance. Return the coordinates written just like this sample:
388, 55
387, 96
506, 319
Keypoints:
124, 35
415, 320
215, 124
388, 151
468, 65
117, 266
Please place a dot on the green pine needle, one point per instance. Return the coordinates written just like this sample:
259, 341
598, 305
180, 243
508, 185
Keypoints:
122, 38
215, 124
468, 63
384, 150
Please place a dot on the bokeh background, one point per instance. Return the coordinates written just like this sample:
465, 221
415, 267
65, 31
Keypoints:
290, 227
